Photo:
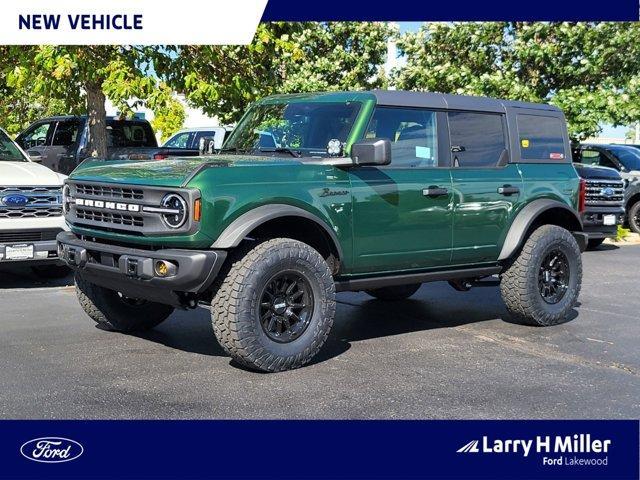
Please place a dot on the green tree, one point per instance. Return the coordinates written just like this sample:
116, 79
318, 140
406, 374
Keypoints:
590, 70
283, 57
170, 119
78, 79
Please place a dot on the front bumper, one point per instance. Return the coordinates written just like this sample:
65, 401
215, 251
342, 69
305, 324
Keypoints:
43, 251
132, 271
593, 221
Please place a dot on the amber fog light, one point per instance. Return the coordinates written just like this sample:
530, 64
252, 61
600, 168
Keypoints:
163, 268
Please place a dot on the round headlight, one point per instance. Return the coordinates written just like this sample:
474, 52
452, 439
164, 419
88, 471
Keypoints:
176, 214
65, 199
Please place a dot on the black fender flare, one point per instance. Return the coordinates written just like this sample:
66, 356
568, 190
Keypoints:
525, 219
238, 229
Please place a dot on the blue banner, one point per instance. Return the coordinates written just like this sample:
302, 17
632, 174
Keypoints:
464, 10
319, 449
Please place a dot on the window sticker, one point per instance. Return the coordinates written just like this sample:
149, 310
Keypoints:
556, 156
423, 152
525, 143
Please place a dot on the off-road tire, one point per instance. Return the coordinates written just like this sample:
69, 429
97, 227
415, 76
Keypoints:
111, 312
399, 292
634, 217
51, 271
594, 243
520, 281
236, 302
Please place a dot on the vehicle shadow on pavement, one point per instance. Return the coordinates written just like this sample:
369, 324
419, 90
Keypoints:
12, 276
358, 318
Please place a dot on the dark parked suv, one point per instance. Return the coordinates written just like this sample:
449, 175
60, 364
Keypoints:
626, 160
61, 143
604, 202
317, 193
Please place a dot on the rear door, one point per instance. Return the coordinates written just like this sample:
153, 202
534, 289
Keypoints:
402, 213
486, 186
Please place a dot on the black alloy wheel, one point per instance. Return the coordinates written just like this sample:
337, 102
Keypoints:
553, 277
286, 307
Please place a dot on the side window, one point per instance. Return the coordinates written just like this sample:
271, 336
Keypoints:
590, 157
477, 139
540, 138
182, 140
36, 136
412, 132
66, 134
129, 134
199, 135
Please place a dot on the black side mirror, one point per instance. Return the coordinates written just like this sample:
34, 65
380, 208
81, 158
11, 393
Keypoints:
374, 151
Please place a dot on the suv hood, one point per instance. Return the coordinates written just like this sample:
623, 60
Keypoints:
593, 172
173, 172
27, 174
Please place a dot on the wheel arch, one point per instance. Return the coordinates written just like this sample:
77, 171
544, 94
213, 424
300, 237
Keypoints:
537, 213
288, 221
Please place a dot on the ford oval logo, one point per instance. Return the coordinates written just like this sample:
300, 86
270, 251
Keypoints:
51, 450
607, 192
15, 200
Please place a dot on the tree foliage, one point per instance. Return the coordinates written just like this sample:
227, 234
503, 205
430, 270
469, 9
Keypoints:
283, 58
78, 79
169, 120
590, 70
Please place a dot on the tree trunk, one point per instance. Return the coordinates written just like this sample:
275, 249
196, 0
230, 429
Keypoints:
97, 144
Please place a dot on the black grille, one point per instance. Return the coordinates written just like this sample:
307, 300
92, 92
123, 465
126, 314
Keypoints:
29, 212
15, 237
595, 194
109, 191
109, 217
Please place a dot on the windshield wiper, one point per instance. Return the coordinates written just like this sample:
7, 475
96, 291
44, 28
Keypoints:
293, 153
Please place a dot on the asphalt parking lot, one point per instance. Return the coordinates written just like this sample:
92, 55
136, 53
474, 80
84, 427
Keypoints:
441, 354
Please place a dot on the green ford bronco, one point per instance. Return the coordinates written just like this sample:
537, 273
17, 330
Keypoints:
320, 193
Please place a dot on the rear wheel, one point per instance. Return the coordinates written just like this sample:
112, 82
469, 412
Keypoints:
594, 243
113, 311
274, 308
399, 292
542, 284
634, 217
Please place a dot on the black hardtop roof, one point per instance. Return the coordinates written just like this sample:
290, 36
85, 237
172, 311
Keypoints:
456, 102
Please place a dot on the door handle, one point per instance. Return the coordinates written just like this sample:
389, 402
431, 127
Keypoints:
508, 190
434, 191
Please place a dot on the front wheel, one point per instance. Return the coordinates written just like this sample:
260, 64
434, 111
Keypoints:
274, 309
542, 284
113, 311
634, 217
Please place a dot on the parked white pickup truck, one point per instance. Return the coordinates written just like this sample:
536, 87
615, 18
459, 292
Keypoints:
30, 211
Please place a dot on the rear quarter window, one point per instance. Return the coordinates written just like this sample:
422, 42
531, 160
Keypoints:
540, 137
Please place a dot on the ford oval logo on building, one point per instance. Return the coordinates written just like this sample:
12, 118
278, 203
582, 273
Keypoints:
15, 200
607, 192
51, 450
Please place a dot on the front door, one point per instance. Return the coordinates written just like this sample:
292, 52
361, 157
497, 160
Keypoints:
486, 186
402, 213
36, 140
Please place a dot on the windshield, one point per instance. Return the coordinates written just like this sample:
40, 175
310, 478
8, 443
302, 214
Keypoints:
9, 152
303, 128
628, 156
